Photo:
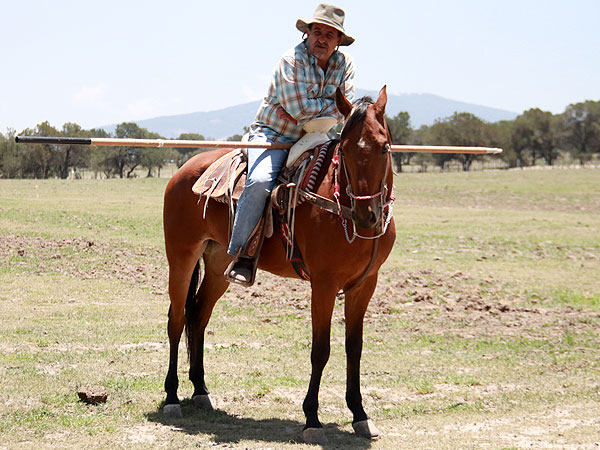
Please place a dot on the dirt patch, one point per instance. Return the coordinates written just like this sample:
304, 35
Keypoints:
87, 259
552, 428
436, 304
457, 303
432, 302
146, 435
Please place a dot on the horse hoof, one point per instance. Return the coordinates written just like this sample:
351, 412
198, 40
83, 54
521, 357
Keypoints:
172, 412
315, 436
366, 428
202, 402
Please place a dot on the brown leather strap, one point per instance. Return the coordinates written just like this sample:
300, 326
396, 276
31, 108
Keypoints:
332, 207
364, 275
326, 204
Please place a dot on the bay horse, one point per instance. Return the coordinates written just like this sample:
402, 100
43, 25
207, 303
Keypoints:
341, 254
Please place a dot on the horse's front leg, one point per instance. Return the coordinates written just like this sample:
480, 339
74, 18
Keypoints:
323, 299
356, 303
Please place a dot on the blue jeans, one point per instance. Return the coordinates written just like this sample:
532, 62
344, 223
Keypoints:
263, 169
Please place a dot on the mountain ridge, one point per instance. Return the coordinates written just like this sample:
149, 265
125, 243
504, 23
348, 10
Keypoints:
423, 109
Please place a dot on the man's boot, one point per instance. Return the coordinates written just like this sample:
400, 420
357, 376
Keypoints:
242, 271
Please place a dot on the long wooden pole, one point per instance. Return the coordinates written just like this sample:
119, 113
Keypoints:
445, 149
116, 142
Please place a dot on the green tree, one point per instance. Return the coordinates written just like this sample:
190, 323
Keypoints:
10, 162
127, 159
401, 131
463, 129
39, 160
500, 137
187, 152
420, 136
72, 156
536, 132
581, 125
102, 159
156, 158
521, 135
235, 137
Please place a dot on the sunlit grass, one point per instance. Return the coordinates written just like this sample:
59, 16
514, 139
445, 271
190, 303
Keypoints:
83, 302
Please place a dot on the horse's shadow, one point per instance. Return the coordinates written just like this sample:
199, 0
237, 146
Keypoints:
225, 428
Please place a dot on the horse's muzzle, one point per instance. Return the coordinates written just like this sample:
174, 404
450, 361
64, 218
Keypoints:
366, 216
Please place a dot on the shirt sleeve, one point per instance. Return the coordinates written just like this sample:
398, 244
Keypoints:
347, 86
294, 90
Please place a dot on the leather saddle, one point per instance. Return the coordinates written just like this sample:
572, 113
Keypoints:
224, 182
224, 179
305, 168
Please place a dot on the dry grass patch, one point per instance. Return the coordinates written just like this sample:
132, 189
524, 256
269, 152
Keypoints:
483, 331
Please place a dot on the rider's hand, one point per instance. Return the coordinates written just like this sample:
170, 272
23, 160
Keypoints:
284, 115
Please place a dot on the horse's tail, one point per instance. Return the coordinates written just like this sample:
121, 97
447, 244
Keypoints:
191, 308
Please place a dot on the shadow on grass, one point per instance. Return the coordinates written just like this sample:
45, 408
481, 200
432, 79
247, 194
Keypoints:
225, 428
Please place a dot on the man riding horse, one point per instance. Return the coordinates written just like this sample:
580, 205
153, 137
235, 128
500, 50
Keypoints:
302, 88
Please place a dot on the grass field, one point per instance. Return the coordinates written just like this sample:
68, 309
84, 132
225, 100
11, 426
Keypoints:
484, 331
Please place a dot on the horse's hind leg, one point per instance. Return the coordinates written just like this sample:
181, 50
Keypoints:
198, 314
356, 303
181, 268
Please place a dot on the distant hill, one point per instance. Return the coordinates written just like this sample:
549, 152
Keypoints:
424, 109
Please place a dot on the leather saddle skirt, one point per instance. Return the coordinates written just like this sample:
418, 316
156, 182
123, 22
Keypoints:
224, 179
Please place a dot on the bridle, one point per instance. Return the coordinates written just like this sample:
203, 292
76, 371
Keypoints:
345, 213
385, 217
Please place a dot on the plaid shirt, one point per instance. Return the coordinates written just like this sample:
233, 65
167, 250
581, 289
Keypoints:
301, 87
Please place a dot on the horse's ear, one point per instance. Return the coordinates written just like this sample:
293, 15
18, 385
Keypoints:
380, 104
342, 103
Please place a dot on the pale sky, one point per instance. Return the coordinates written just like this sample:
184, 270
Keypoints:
103, 62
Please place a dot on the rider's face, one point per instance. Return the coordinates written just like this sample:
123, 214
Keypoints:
322, 41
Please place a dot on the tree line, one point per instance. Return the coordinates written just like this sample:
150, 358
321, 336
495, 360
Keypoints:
534, 136
61, 161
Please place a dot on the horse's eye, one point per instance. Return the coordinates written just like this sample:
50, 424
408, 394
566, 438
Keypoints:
386, 148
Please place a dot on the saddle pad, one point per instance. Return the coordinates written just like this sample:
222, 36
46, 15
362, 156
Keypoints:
317, 169
222, 177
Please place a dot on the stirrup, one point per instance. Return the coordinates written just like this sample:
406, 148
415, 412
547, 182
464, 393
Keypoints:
251, 265
251, 249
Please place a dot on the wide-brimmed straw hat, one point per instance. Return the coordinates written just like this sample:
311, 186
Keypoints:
327, 15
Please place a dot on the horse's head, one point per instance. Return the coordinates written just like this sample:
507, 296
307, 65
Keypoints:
365, 150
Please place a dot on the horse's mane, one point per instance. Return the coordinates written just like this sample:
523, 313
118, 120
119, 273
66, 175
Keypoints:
358, 113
